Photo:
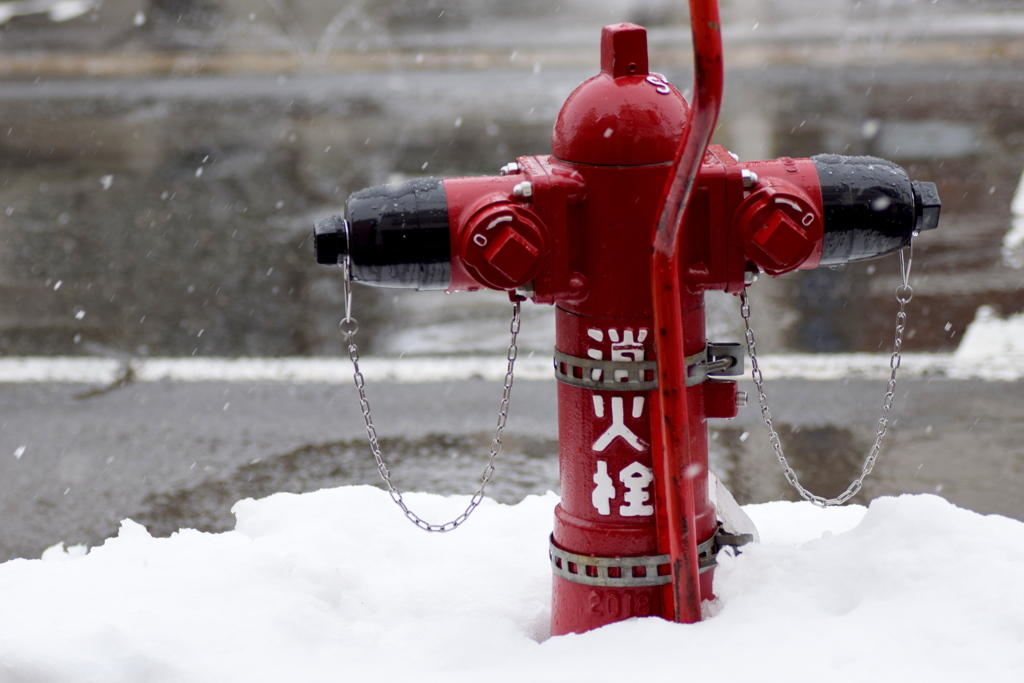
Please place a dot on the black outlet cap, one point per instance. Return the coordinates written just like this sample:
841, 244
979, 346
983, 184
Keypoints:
871, 207
927, 205
330, 240
398, 235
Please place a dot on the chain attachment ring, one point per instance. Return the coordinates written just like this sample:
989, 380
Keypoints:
348, 328
904, 293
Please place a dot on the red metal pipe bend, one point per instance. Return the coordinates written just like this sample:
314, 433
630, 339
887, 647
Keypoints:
674, 481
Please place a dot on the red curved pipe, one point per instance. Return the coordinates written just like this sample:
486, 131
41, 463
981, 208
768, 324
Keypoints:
675, 488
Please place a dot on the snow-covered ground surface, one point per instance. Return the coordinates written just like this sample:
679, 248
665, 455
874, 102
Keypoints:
1013, 242
1008, 366
337, 586
55, 10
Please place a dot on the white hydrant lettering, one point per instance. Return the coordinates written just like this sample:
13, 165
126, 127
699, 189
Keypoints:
618, 428
636, 478
604, 490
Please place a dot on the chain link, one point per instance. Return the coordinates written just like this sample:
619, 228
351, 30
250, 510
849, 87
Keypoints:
349, 327
903, 295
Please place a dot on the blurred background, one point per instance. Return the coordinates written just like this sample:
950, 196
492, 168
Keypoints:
162, 163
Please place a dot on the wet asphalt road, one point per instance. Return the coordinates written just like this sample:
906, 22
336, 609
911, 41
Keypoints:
179, 454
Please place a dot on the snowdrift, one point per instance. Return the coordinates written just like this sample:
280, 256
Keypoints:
337, 586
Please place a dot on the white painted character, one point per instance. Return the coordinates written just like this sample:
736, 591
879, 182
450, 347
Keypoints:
636, 478
604, 489
626, 347
597, 354
618, 427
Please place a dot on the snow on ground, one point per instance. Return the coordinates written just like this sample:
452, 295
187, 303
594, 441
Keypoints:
997, 341
337, 586
1013, 242
973, 360
56, 10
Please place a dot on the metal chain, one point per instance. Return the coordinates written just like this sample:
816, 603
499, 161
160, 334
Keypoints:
349, 326
903, 293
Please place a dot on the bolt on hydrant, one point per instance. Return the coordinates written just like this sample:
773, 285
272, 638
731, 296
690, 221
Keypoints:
624, 227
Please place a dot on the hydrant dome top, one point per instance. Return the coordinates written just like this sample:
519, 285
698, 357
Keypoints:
624, 116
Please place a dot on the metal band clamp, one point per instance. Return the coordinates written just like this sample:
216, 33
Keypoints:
606, 375
623, 572
615, 375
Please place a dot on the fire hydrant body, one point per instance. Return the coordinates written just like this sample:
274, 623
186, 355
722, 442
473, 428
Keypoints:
619, 132
575, 229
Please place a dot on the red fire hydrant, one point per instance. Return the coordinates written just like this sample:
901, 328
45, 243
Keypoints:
575, 229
